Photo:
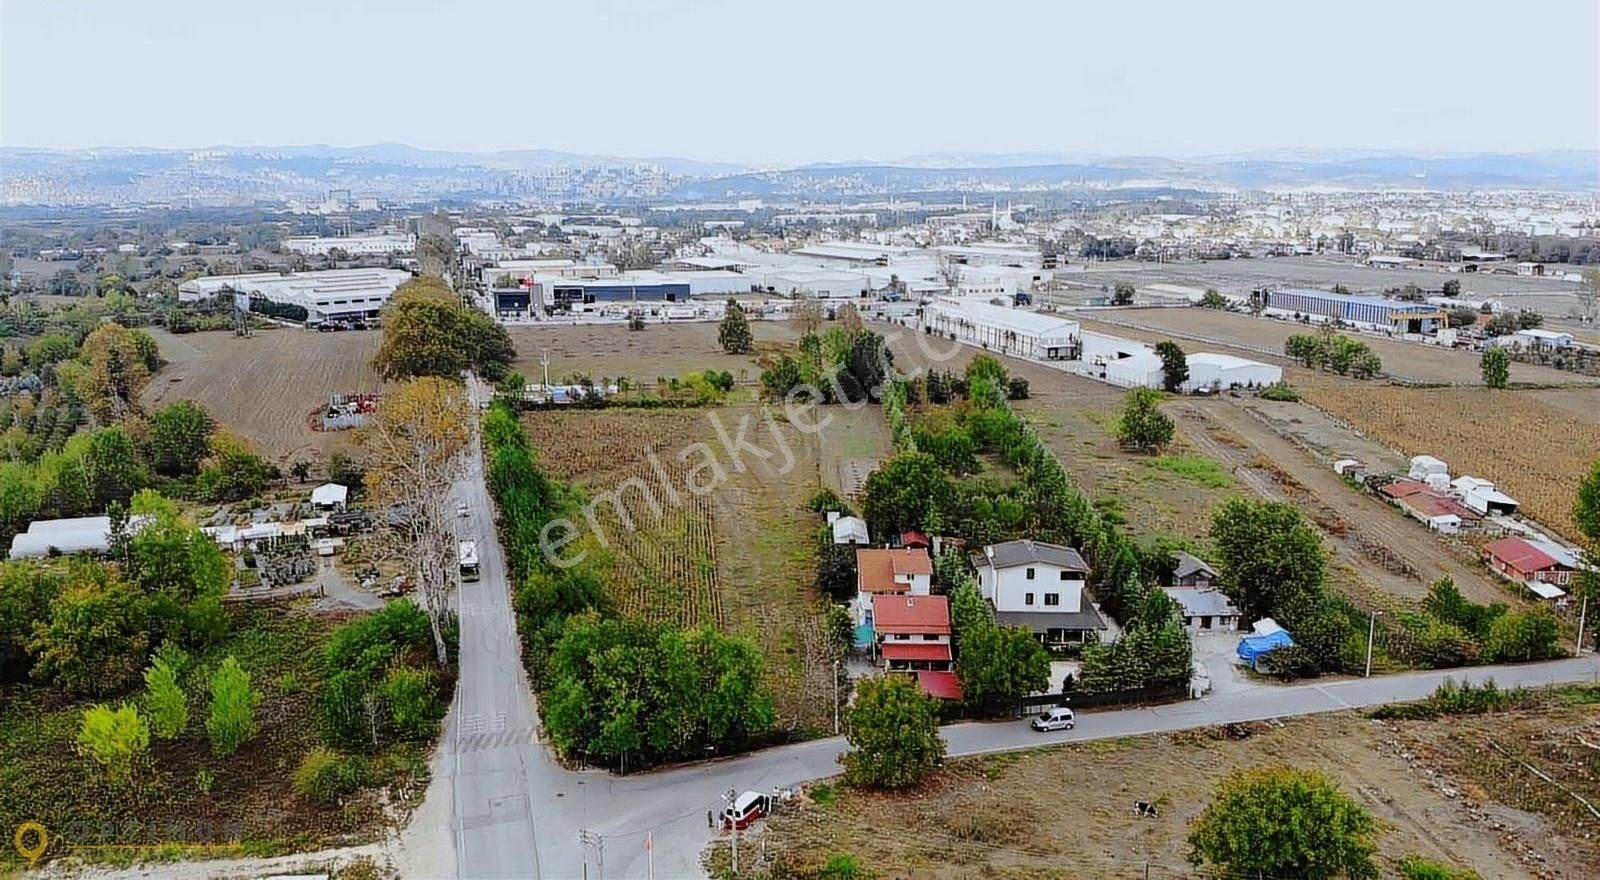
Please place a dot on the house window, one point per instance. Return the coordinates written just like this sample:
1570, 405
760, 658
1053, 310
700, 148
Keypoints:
1052, 598
1067, 576
1030, 574
930, 637
1027, 598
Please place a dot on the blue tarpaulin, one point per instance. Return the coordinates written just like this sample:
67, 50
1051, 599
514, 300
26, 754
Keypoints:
1253, 648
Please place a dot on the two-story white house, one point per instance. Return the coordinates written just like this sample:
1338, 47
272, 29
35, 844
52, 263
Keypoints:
880, 572
1040, 586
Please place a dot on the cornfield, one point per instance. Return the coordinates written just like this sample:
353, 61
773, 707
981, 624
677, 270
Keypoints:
1534, 452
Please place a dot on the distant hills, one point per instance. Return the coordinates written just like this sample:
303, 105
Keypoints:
125, 174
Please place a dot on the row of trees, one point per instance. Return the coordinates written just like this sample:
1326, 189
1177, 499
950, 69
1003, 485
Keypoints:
619, 692
1327, 350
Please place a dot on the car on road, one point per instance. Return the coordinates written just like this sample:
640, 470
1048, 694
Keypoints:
1053, 719
745, 810
461, 508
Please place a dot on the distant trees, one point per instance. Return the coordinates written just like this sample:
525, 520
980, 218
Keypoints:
893, 730
1284, 822
1122, 294
118, 368
1451, 288
734, 333
428, 332
1463, 316
1331, 351
1174, 366
1496, 367
1508, 323
1213, 300
1141, 424
179, 438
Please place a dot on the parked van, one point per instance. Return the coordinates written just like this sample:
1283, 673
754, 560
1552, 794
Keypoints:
1054, 719
745, 810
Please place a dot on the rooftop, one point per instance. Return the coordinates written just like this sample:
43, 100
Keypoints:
1014, 553
1358, 299
1018, 320
911, 614
876, 568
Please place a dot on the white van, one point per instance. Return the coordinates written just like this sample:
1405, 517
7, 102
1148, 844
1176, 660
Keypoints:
1054, 719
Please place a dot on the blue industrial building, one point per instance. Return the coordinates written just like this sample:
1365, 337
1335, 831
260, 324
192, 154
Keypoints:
1376, 311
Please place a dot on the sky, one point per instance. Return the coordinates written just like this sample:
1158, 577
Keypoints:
796, 81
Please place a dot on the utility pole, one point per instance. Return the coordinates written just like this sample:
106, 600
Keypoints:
1583, 617
590, 838
836, 684
1372, 630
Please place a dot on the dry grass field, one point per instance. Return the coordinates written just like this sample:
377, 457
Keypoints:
265, 387
741, 556
664, 350
1438, 789
1252, 336
1534, 450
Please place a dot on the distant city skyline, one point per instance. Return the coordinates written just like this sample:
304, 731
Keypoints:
794, 84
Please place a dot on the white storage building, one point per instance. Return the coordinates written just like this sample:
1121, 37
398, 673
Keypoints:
334, 294
1004, 330
354, 245
1224, 371
84, 534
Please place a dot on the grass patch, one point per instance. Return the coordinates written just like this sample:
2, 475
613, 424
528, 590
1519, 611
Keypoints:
1196, 469
823, 795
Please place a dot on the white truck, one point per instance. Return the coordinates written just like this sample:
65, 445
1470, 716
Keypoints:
468, 555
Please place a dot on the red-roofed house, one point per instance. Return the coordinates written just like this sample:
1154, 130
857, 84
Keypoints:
889, 573
1523, 561
913, 632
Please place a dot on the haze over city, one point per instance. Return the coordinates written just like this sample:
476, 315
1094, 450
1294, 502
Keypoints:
791, 84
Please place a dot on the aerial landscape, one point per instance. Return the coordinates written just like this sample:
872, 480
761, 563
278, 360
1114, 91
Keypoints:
820, 441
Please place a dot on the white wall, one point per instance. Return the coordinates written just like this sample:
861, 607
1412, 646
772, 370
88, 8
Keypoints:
1007, 588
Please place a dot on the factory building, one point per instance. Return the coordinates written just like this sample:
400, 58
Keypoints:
1003, 330
331, 295
354, 245
1369, 311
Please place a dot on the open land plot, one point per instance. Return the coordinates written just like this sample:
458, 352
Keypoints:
741, 557
854, 441
1249, 336
1438, 789
1533, 450
660, 350
265, 387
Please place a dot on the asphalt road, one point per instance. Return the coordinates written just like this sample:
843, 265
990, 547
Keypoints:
517, 813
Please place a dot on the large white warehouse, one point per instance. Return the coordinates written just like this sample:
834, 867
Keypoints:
334, 294
354, 245
1223, 371
1004, 330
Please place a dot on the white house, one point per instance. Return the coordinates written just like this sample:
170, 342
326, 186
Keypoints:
1211, 370
1039, 586
1536, 338
329, 496
879, 572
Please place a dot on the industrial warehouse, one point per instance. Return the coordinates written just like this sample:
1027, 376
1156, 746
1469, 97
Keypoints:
1375, 312
335, 295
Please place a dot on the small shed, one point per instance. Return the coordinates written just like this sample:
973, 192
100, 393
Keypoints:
329, 496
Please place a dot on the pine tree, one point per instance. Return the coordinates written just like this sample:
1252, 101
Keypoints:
734, 334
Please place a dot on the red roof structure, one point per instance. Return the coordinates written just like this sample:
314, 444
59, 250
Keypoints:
912, 615
1403, 488
1520, 555
876, 569
942, 685
911, 538
913, 651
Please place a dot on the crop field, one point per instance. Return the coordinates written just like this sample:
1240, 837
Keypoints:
1198, 329
1439, 789
740, 557
660, 350
1534, 451
264, 387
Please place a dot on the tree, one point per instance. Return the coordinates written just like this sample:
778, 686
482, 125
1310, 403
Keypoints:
1452, 288
179, 438
807, 316
1588, 296
836, 568
781, 378
116, 373
1141, 425
416, 449
999, 664
169, 708
233, 707
27, 592
1517, 636
1586, 508
234, 472
1174, 366
428, 332
115, 738
1268, 556
97, 636
111, 467
893, 730
734, 333
986, 366
903, 493
1122, 294
1284, 822
969, 611
1463, 316
1496, 367
865, 368
1213, 299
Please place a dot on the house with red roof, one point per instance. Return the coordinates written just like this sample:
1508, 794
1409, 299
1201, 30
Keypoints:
1525, 561
912, 632
879, 572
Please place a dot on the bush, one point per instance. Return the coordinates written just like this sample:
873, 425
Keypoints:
1280, 391
325, 775
413, 700
233, 707
114, 738
169, 708
1419, 868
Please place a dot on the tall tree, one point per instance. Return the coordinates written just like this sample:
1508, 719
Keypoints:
893, 730
1284, 822
1174, 365
179, 438
1141, 424
416, 449
117, 372
904, 492
1268, 556
1122, 294
734, 333
999, 664
233, 707
169, 708
428, 332
1496, 367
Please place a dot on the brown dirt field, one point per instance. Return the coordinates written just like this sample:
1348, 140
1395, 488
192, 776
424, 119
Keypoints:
741, 556
1576, 402
1534, 451
1388, 549
1253, 336
1068, 811
665, 350
265, 386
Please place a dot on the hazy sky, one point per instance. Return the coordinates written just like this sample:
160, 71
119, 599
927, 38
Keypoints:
803, 80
